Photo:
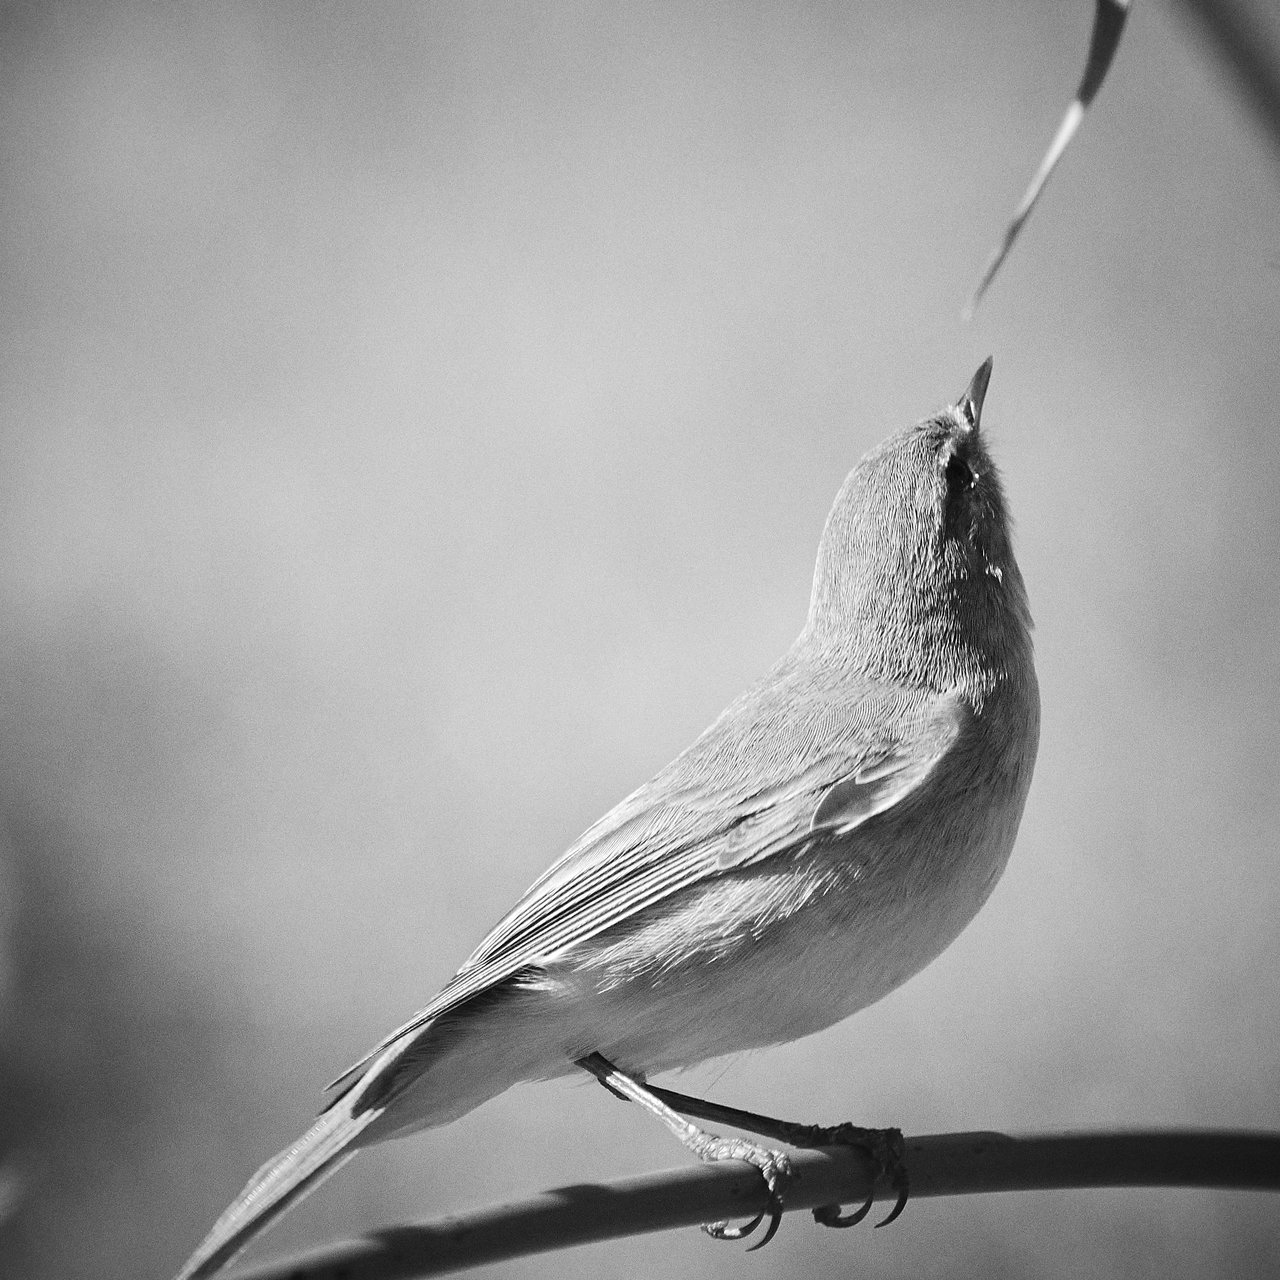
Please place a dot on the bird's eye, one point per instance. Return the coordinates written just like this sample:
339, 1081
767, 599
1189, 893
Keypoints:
959, 477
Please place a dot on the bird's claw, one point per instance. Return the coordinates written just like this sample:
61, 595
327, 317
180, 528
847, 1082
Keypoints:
723, 1231
829, 1215
887, 1152
774, 1168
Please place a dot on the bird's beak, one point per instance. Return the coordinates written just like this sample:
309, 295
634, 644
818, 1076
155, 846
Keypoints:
970, 404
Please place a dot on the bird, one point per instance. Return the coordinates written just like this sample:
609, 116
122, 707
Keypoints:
829, 834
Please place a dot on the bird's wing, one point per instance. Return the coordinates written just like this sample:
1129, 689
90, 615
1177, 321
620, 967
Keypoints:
753, 786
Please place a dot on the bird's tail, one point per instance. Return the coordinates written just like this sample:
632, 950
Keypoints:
280, 1184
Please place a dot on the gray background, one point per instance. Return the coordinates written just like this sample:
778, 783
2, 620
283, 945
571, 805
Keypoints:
418, 421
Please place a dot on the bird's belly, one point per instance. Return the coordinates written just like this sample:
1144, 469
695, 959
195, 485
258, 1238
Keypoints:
771, 955
755, 957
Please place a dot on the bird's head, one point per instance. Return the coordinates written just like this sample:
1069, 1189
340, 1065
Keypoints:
915, 571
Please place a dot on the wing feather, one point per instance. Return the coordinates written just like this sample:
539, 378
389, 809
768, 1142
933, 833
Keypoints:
764, 797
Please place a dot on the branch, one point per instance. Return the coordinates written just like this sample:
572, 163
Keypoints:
1108, 25
1250, 60
940, 1165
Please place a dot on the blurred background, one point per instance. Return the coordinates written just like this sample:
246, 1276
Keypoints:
418, 421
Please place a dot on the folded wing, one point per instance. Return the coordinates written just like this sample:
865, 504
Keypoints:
780, 779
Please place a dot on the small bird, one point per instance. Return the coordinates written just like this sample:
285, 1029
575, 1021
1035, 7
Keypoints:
830, 834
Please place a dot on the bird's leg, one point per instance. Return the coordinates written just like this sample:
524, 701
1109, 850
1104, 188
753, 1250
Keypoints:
774, 1166
883, 1147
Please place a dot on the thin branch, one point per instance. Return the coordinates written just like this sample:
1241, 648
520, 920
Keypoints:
1108, 25
940, 1165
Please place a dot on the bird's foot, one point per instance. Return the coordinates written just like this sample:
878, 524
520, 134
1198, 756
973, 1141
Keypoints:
888, 1155
774, 1168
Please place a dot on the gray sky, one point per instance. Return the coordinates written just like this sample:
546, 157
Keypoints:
416, 422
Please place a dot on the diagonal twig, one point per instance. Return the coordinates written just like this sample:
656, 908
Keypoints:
940, 1165
1108, 24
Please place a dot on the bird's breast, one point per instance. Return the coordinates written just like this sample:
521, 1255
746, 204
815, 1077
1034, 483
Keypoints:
775, 951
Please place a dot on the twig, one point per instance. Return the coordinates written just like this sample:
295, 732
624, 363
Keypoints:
940, 1165
1108, 25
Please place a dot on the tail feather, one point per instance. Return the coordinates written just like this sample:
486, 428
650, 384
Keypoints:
279, 1185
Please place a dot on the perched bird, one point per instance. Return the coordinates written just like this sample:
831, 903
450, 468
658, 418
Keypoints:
830, 834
